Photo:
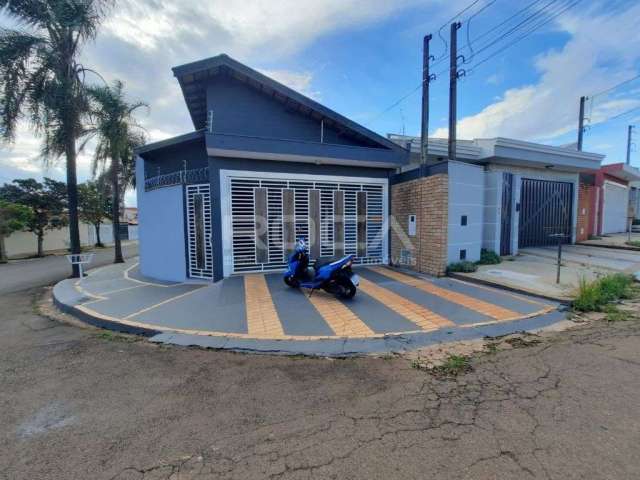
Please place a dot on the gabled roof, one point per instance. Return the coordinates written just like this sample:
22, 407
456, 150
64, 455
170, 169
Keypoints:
193, 78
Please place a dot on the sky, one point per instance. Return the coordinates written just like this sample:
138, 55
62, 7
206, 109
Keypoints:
363, 58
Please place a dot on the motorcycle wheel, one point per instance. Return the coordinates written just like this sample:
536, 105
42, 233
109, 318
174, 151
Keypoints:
292, 282
348, 289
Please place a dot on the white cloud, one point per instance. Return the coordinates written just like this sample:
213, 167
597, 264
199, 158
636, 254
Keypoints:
600, 53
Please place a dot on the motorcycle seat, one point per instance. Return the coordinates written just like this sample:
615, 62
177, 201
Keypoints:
322, 261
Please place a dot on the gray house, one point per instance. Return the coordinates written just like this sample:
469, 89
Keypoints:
263, 167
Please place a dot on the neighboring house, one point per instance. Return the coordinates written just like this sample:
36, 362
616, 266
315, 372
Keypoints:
264, 167
501, 194
609, 199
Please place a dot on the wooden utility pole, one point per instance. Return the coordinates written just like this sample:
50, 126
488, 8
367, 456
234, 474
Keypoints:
426, 79
629, 135
453, 90
581, 123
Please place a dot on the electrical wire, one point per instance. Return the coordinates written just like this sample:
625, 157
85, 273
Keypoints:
624, 82
525, 35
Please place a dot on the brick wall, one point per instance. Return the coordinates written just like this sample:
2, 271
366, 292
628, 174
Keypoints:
427, 198
586, 212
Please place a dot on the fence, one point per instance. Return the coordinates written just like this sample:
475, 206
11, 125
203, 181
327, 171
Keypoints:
183, 177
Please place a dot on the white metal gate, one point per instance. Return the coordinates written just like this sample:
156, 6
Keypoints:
199, 249
350, 220
616, 207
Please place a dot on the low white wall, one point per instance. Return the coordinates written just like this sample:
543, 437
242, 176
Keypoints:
24, 244
466, 198
161, 230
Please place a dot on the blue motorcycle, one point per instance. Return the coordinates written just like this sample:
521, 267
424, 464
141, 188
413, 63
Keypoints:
331, 275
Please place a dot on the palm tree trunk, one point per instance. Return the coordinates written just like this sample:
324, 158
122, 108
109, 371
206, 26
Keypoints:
98, 241
72, 196
115, 182
40, 236
3, 250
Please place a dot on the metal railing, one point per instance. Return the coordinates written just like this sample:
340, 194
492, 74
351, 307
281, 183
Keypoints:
182, 177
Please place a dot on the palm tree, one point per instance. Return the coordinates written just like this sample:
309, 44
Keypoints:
118, 134
42, 81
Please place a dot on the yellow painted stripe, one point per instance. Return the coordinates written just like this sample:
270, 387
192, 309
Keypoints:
262, 317
421, 316
342, 321
485, 308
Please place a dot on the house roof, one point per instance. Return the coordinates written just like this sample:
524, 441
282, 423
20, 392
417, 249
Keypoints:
510, 152
622, 171
193, 78
169, 142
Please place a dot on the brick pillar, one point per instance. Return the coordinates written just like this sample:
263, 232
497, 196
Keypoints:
428, 199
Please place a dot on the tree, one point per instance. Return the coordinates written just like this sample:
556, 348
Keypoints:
13, 218
94, 205
118, 134
42, 80
47, 202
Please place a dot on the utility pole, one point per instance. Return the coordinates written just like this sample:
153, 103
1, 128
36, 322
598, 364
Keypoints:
453, 88
426, 79
581, 123
629, 135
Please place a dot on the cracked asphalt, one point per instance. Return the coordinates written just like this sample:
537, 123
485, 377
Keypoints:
79, 404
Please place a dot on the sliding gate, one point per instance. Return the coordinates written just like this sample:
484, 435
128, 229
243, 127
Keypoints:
545, 213
268, 216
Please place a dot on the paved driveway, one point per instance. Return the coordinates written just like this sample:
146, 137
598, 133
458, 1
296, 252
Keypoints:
262, 307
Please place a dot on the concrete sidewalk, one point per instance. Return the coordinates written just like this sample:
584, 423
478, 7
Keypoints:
392, 312
534, 270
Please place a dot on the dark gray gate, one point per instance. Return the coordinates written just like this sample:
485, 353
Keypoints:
505, 217
545, 212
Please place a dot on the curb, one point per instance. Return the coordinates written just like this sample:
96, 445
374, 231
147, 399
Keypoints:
614, 247
523, 291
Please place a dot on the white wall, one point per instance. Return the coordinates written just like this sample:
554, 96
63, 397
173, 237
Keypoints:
161, 230
466, 197
25, 244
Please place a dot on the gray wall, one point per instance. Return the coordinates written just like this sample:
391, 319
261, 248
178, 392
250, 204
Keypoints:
171, 159
242, 110
161, 231
466, 197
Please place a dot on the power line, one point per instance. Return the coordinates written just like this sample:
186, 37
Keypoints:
624, 82
623, 113
526, 34
446, 45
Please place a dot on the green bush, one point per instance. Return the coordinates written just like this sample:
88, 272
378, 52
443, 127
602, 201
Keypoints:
594, 295
634, 243
464, 266
488, 257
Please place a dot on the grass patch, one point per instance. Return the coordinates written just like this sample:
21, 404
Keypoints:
594, 295
488, 257
614, 314
464, 267
453, 366
117, 337
634, 243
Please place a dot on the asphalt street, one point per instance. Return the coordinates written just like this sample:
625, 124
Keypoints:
80, 403
37, 272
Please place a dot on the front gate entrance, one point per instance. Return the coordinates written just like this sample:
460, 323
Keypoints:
199, 249
545, 212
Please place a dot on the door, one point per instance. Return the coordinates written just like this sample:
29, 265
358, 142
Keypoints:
269, 213
505, 214
545, 212
199, 249
615, 208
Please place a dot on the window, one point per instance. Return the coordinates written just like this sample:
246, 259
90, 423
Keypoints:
463, 254
463, 220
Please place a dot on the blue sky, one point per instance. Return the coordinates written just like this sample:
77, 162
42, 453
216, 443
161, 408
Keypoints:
360, 56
